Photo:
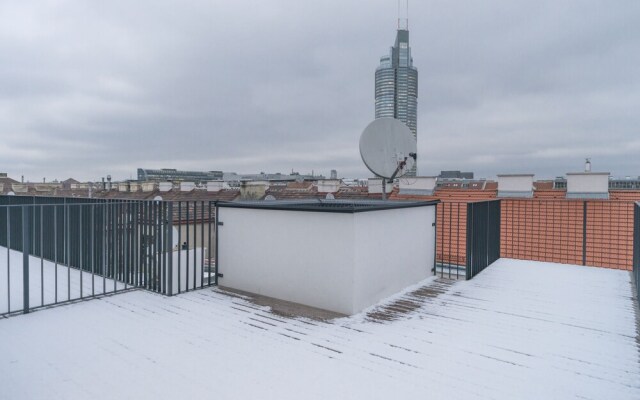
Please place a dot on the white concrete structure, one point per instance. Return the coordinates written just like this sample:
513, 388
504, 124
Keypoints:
418, 185
148, 186
165, 186
19, 188
215, 186
340, 259
375, 186
515, 185
187, 186
588, 185
328, 185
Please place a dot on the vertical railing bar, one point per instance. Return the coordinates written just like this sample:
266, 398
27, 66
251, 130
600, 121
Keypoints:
105, 233
195, 240
127, 245
55, 252
450, 236
114, 235
93, 253
186, 283
216, 231
68, 249
170, 245
8, 260
201, 244
26, 246
179, 244
458, 241
41, 255
209, 249
81, 242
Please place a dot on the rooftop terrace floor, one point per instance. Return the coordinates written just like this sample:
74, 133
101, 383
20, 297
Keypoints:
520, 330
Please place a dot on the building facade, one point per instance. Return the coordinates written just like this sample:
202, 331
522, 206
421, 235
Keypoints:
397, 85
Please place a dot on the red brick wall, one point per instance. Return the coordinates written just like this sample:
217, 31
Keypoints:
549, 230
553, 230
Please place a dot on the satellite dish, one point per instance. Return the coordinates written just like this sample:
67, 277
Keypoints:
157, 198
330, 196
388, 148
11, 194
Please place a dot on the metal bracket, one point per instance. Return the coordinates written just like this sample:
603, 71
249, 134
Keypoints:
220, 223
220, 275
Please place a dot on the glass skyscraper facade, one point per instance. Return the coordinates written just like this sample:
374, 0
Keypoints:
397, 86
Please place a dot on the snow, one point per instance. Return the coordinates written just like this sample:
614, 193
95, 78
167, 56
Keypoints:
519, 330
42, 282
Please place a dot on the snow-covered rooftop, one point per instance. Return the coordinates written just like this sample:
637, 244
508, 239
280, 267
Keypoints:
519, 330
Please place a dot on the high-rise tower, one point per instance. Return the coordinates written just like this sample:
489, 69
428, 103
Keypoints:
397, 80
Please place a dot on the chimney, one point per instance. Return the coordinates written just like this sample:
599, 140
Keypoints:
418, 185
587, 165
515, 185
588, 185
108, 182
165, 186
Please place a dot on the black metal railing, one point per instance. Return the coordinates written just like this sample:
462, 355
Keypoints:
467, 238
58, 250
451, 240
636, 249
483, 236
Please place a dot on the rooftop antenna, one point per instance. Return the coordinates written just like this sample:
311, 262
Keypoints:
403, 15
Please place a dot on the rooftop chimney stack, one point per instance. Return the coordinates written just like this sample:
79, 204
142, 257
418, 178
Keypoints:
587, 165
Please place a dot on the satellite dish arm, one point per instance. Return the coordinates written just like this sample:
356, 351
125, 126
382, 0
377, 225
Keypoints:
402, 165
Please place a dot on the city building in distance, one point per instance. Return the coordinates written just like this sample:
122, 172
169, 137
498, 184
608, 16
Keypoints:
167, 174
396, 81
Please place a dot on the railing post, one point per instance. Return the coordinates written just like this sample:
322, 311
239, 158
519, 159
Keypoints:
584, 233
170, 248
26, 245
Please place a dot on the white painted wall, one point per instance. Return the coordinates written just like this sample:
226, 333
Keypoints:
187, 186
418, 182
304, 257
334, 261
328, 185
215, 186
515, 183
394, 249
588, 182
165, 186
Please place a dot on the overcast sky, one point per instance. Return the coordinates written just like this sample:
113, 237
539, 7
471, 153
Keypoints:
90, 88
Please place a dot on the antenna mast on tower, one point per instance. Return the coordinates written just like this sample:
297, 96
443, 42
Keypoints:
403, 15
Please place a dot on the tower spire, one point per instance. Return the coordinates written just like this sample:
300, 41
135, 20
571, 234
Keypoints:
403, 15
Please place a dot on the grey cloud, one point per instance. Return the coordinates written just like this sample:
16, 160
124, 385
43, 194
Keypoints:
95, 88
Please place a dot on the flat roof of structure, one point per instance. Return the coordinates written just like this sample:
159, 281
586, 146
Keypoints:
332, 206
